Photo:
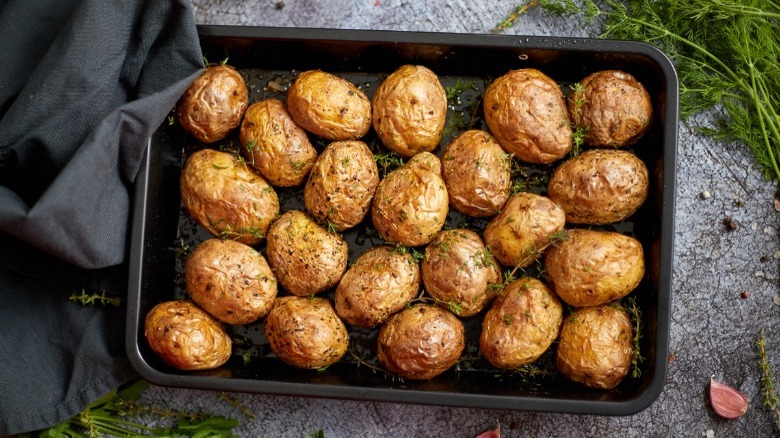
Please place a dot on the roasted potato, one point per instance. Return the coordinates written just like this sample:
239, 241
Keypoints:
329, 106
526, 112
381, 282
599, 186
460, 272
521, 324
213, 104
525, 227
305, 332
305, 257
225, 197
230, 280
589, 267
595, 347
186, 337
342, 184
612, 107
409, 110
477, 173
420, 342
274, 145
411, 204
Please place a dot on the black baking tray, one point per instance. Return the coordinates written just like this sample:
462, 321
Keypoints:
162, 233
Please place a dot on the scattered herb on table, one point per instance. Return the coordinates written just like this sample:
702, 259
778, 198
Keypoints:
768, 388
87, 299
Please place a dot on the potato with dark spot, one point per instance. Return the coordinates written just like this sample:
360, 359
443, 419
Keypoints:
186, 337
409, 110
420, 342
227, 198
230, 280
526, 112
599, 186
213, 104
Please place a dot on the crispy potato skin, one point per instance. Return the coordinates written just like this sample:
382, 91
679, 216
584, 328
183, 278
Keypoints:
599, 186
613, 107
381, 282
213, 104
420, 342
458, 271
186, 337
304, 256
226, 198
409, 110
230, 280
521, 324
305, 332
274, 145
342, 184
411, 203
595, 346
476, 171
526, 112
329, 106
524, 228
590, 267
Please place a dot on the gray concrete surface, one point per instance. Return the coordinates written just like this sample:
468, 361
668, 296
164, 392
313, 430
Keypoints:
713, 329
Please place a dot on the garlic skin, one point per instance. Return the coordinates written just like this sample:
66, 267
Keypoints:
727, 401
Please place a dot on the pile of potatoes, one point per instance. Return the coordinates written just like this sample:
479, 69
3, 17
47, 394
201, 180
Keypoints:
304, 290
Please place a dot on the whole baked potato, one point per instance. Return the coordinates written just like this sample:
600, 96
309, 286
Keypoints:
305, 257
409, 110
274, 145
381, 282
460, 272
599, 186
420, 342
329, 106
526, 112
477, 173
213, 104
342, 184
186, 337
521, 324
305, 332
230, 280
595, 346
589, 267
225, 197
411, 204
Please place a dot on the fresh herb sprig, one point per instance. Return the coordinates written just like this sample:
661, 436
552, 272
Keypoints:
86, 299
768, 388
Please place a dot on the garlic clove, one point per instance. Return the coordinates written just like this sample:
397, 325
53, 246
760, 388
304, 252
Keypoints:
727, 401
493, 433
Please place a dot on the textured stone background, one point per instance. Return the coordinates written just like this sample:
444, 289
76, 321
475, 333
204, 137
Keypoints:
713, 330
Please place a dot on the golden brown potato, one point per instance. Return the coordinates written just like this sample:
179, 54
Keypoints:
420, 342
411, 204
213, 104
613, 107
589, 267
521, 324
227, 198
274, 145
304, 256
525, 227
186, 337
526, 112
230, 280
476, 171
409, 109
329, 106
342, 184
595, 346
599, 186
305, 332
458, 271
381, 282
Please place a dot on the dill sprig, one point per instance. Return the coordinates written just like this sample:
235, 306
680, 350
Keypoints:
768, 387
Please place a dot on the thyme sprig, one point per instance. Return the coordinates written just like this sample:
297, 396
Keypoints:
94, 298
768, 387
